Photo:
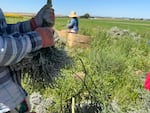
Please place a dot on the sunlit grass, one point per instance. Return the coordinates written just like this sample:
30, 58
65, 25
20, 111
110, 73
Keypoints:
110, 63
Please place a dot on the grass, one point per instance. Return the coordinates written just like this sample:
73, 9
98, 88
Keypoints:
110, 65
137, 26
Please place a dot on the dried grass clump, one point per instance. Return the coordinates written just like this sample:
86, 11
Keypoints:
116, 32
39, 104
42, 66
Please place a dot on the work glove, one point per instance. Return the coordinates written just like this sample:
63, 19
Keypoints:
46, 34
44, 18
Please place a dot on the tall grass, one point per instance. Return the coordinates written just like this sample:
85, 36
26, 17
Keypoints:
114, 63
111, 81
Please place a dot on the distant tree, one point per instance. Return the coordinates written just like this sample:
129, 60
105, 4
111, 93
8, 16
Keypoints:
141, 19
86, 15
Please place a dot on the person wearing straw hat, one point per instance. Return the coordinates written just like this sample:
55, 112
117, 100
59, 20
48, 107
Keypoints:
16, 41
73, 23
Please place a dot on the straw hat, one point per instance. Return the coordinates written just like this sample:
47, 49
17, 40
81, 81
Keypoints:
73, 14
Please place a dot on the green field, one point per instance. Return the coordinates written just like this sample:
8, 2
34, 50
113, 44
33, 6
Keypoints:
139, 26
114, 67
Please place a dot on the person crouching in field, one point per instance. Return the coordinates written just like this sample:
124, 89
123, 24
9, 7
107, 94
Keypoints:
73, 23
16, 41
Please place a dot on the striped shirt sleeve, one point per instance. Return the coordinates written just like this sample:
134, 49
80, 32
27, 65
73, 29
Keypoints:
14, 47
21, 27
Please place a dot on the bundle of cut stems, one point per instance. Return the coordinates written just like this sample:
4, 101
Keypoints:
42, 66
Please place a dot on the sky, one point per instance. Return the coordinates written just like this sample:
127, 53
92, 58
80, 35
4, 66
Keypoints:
104, 8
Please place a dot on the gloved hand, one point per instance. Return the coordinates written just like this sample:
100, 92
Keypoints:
45, 17
46, 34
